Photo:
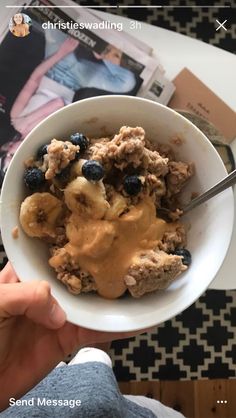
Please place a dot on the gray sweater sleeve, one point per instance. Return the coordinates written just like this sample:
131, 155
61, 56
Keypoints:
86, 390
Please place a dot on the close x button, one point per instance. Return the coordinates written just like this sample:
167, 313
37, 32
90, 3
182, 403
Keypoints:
221, 25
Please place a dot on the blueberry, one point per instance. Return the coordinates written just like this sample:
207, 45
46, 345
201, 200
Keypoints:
183, 252
42, 151
81, 140
132, 185
93, 170
33, 178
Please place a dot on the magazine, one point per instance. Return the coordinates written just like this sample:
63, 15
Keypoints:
65, 57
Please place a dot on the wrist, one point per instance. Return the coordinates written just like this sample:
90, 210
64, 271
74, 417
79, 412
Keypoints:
58, 55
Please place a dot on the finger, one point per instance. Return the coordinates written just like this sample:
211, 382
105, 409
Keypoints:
8, 275
33, 300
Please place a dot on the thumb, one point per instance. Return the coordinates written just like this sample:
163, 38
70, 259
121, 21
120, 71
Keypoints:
34, 300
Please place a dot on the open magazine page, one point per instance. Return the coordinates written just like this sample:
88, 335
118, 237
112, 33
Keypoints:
62, 64
56, 70
152, 72
100, 31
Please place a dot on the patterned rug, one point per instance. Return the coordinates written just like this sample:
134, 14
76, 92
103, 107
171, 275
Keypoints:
199, 343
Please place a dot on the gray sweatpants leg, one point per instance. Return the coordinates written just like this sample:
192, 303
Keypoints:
160, 410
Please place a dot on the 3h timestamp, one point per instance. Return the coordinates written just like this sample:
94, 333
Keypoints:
135, 25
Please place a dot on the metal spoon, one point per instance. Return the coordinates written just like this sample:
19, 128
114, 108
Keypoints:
228, 181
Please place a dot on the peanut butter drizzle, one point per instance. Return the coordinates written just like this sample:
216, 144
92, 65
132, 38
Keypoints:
106, 248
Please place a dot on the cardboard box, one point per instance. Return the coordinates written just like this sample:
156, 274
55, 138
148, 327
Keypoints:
194, 96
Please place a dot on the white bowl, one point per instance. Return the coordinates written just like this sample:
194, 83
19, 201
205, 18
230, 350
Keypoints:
211, 224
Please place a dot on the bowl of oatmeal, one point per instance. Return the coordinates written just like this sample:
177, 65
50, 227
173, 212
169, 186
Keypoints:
80, 207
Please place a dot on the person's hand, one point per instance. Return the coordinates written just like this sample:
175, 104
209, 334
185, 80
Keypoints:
69, 45
34, 335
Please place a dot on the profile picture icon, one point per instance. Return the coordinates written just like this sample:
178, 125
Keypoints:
19, 25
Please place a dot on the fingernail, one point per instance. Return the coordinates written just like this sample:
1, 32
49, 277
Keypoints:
57, 315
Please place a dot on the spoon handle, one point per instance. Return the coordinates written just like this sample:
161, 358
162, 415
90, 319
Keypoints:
228, 181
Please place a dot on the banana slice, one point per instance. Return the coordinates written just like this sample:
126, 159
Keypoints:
86, 198
76, 169
39, 214
118, 205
